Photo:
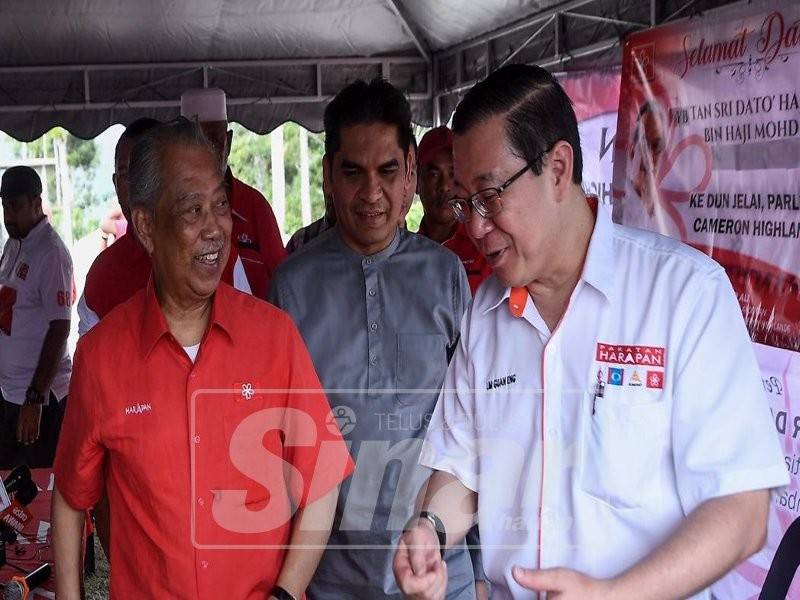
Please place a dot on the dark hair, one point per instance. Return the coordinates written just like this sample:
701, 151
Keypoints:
145, 176
362, 103
538, 113
133, 131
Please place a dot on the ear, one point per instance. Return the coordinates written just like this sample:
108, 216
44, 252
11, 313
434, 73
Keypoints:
144, 226
327, 175
411, 165
228, 142
559, 163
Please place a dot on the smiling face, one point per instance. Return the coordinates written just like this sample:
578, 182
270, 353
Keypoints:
188, 237
369, 177
521, 242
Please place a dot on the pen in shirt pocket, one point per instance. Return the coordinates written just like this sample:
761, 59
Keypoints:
599, 390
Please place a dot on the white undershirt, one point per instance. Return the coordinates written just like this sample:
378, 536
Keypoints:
192, 351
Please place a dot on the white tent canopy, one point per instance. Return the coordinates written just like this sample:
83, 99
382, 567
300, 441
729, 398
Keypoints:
86, 64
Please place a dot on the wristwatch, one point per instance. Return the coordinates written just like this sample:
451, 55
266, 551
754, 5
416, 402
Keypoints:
34, 396
281, 594
438, 527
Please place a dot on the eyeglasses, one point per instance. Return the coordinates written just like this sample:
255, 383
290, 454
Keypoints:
486, 202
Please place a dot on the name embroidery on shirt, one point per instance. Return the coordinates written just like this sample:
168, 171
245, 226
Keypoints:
137, 409
492, 384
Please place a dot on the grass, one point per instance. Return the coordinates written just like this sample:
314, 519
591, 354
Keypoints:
97, 583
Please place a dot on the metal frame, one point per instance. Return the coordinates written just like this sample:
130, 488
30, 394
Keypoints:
228, 67
428, 61
560, 56
410, 24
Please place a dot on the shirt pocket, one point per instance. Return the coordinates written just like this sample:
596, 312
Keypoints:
625, 443
421, 365
254, 461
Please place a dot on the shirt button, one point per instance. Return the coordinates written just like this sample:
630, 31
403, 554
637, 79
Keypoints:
372, 292
373, 361
204, 564
201, 502
196, 439
552, 433
374, 327
368, 261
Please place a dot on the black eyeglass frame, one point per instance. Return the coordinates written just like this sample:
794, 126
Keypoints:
478, 205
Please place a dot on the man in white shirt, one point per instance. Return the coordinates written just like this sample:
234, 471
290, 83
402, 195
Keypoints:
603, 414
36, 293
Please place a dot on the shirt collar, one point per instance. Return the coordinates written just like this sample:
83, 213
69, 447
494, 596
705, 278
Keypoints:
372, 258
37, 231
154, 325
598, 268
233, 185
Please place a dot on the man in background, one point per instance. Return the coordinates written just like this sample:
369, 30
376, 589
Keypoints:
36, 295
435, 186
256, 236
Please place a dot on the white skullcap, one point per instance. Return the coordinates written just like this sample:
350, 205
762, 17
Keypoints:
205, 104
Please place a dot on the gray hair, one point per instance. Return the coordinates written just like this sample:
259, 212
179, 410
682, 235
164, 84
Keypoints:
146, 168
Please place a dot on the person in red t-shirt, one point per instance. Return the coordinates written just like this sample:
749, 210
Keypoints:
256, 235
435, 160
124, 267
215, 443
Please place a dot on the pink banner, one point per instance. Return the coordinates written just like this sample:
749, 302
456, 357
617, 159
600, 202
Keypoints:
708, 151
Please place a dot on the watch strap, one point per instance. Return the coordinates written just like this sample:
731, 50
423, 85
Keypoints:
281, 594
438, 527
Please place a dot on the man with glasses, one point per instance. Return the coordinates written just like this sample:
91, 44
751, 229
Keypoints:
603, 414
379, 309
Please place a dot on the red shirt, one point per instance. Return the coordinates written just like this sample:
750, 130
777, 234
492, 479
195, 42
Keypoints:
118, 273
474, 262
202, 462
255, 234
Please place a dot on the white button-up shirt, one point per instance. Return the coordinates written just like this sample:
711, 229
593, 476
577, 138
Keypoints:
588, 445
36, 287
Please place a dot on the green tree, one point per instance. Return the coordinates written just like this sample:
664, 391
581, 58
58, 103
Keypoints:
82, 159
251, 161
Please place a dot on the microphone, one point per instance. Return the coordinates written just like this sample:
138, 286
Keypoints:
19, 588
15, 517
16, 478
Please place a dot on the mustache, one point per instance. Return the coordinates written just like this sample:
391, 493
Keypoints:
211, 249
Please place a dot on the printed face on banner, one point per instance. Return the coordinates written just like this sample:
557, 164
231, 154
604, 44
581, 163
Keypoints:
707, 151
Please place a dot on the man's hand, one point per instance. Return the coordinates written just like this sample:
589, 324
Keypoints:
30, 417
418, 566
563, 584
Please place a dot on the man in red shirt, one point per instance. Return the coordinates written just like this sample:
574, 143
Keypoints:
215, 443
435, 159
256, 235
123, 268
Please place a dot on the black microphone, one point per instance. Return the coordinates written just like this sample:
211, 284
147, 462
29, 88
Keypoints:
10, 523
17, 477
19, 588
